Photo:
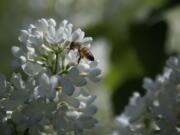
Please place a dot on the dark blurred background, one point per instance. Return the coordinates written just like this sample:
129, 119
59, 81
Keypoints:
134, 37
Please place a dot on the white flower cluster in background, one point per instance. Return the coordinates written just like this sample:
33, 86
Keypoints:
51, 99
158, 112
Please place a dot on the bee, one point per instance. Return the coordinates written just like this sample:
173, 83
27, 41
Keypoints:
83, 51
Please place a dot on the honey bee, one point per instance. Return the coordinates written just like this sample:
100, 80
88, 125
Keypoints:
84, 52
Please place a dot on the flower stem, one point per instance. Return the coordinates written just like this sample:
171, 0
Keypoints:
56, 63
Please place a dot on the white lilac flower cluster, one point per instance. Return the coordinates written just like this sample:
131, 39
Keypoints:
51, 99
158, 112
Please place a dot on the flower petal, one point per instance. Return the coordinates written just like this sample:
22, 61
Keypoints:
68, 88
31, 68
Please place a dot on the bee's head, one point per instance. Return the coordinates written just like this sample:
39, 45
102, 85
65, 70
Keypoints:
72, 45
75, 45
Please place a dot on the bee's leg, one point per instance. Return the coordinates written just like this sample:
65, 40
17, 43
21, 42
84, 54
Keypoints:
80, 55
79, 59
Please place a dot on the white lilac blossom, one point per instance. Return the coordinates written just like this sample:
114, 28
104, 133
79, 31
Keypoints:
46, 48
156, 113
51, 98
